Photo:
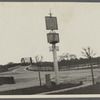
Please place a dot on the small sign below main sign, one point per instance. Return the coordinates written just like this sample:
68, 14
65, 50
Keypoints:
53, 38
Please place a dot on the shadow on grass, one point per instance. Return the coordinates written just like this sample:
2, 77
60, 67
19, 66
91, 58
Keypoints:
92, 89
39, 89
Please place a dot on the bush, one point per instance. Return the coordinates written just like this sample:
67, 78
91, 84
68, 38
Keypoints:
7, 80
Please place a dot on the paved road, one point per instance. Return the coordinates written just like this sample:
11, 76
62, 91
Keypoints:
25, 78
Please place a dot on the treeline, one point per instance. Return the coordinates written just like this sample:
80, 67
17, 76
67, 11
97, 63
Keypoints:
45, 64
78, 62
4, 68
71, 63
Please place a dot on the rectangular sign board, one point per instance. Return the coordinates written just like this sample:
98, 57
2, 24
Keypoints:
53, 38
51, 23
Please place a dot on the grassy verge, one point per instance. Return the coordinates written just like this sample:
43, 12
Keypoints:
38, 89
92, 89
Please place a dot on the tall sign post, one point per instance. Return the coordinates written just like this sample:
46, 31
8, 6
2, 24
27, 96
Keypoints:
53, 38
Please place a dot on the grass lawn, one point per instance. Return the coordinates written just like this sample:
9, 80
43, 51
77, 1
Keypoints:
38, 89
92, 89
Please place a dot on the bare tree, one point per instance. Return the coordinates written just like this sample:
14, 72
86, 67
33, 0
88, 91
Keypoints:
64, 56
68, 57
72, 56
89, 54
39, 60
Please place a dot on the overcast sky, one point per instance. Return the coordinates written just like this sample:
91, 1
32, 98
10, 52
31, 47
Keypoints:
23, 32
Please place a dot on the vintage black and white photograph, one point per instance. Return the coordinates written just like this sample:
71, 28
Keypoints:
49, 48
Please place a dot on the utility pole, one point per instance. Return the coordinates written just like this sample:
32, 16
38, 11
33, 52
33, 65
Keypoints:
55, 63
53, 38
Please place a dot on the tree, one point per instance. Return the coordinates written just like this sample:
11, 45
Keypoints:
39, 60
89, 54
68, 57
72, 56
61, 57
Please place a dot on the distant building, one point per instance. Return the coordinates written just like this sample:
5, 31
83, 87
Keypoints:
26, 60
22, 60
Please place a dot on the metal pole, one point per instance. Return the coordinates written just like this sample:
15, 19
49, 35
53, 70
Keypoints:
92, 71
39, 74
92, 74
55, 64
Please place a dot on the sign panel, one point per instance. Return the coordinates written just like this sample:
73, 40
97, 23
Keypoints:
53, 38
51, 23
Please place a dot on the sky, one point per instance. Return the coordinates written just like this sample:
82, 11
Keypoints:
23, 31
